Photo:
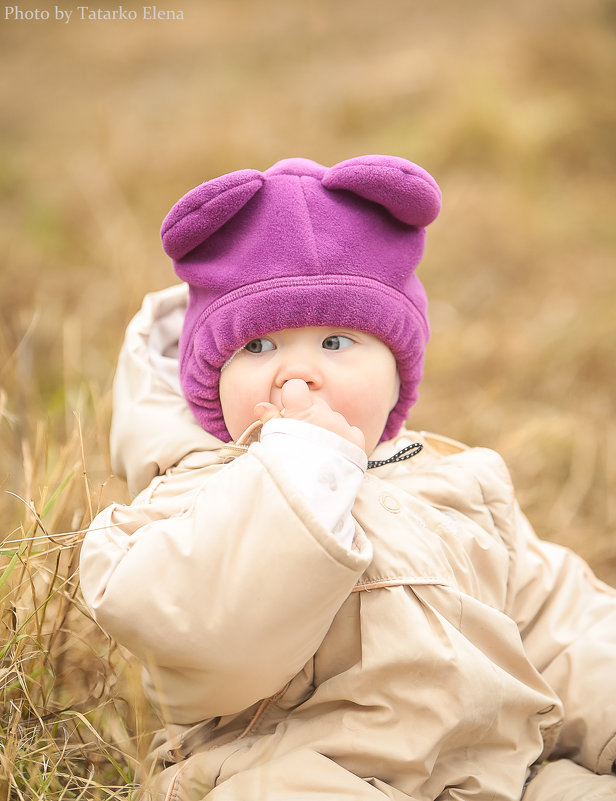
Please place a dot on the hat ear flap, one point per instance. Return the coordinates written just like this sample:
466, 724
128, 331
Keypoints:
408, 192
205, 209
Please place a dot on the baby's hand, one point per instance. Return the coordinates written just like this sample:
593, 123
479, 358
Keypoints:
299, 403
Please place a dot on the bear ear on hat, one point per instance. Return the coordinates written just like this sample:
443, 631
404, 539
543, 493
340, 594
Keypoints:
407, 191
205, 209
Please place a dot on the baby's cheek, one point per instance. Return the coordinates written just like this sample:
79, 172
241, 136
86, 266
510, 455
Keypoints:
246, 405
357, 414
236, 412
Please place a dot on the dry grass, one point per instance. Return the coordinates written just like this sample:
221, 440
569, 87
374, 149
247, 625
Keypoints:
74, 723
108, 123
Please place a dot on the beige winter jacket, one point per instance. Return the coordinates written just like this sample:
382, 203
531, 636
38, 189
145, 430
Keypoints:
440, 662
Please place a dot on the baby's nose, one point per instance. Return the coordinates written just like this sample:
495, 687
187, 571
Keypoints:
299, 366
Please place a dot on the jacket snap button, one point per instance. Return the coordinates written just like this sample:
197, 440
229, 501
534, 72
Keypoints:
390, 503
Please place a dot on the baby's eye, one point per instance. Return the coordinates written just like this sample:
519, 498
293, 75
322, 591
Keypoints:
336, 342
258, 345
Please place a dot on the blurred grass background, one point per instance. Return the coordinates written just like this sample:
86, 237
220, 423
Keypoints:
105, 124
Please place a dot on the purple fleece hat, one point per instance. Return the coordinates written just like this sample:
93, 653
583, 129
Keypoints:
302, 245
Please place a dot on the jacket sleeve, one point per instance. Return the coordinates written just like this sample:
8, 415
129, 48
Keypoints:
567, 620
225, 602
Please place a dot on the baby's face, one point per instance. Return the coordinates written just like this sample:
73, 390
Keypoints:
353, 372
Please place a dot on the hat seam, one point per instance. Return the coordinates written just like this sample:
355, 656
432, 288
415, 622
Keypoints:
313, 241
339, 279
299, 282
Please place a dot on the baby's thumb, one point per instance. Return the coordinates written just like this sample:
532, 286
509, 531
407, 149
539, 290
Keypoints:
296, 396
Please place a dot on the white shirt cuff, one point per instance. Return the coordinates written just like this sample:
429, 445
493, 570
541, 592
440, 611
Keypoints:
325, 468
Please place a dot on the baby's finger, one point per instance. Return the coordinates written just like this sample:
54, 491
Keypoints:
356, 436
296, 397
266, 411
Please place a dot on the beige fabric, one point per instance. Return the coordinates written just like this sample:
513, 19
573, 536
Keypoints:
147, 396
565, 781
438, 659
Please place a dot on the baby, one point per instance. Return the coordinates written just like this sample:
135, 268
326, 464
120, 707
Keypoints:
326, 604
